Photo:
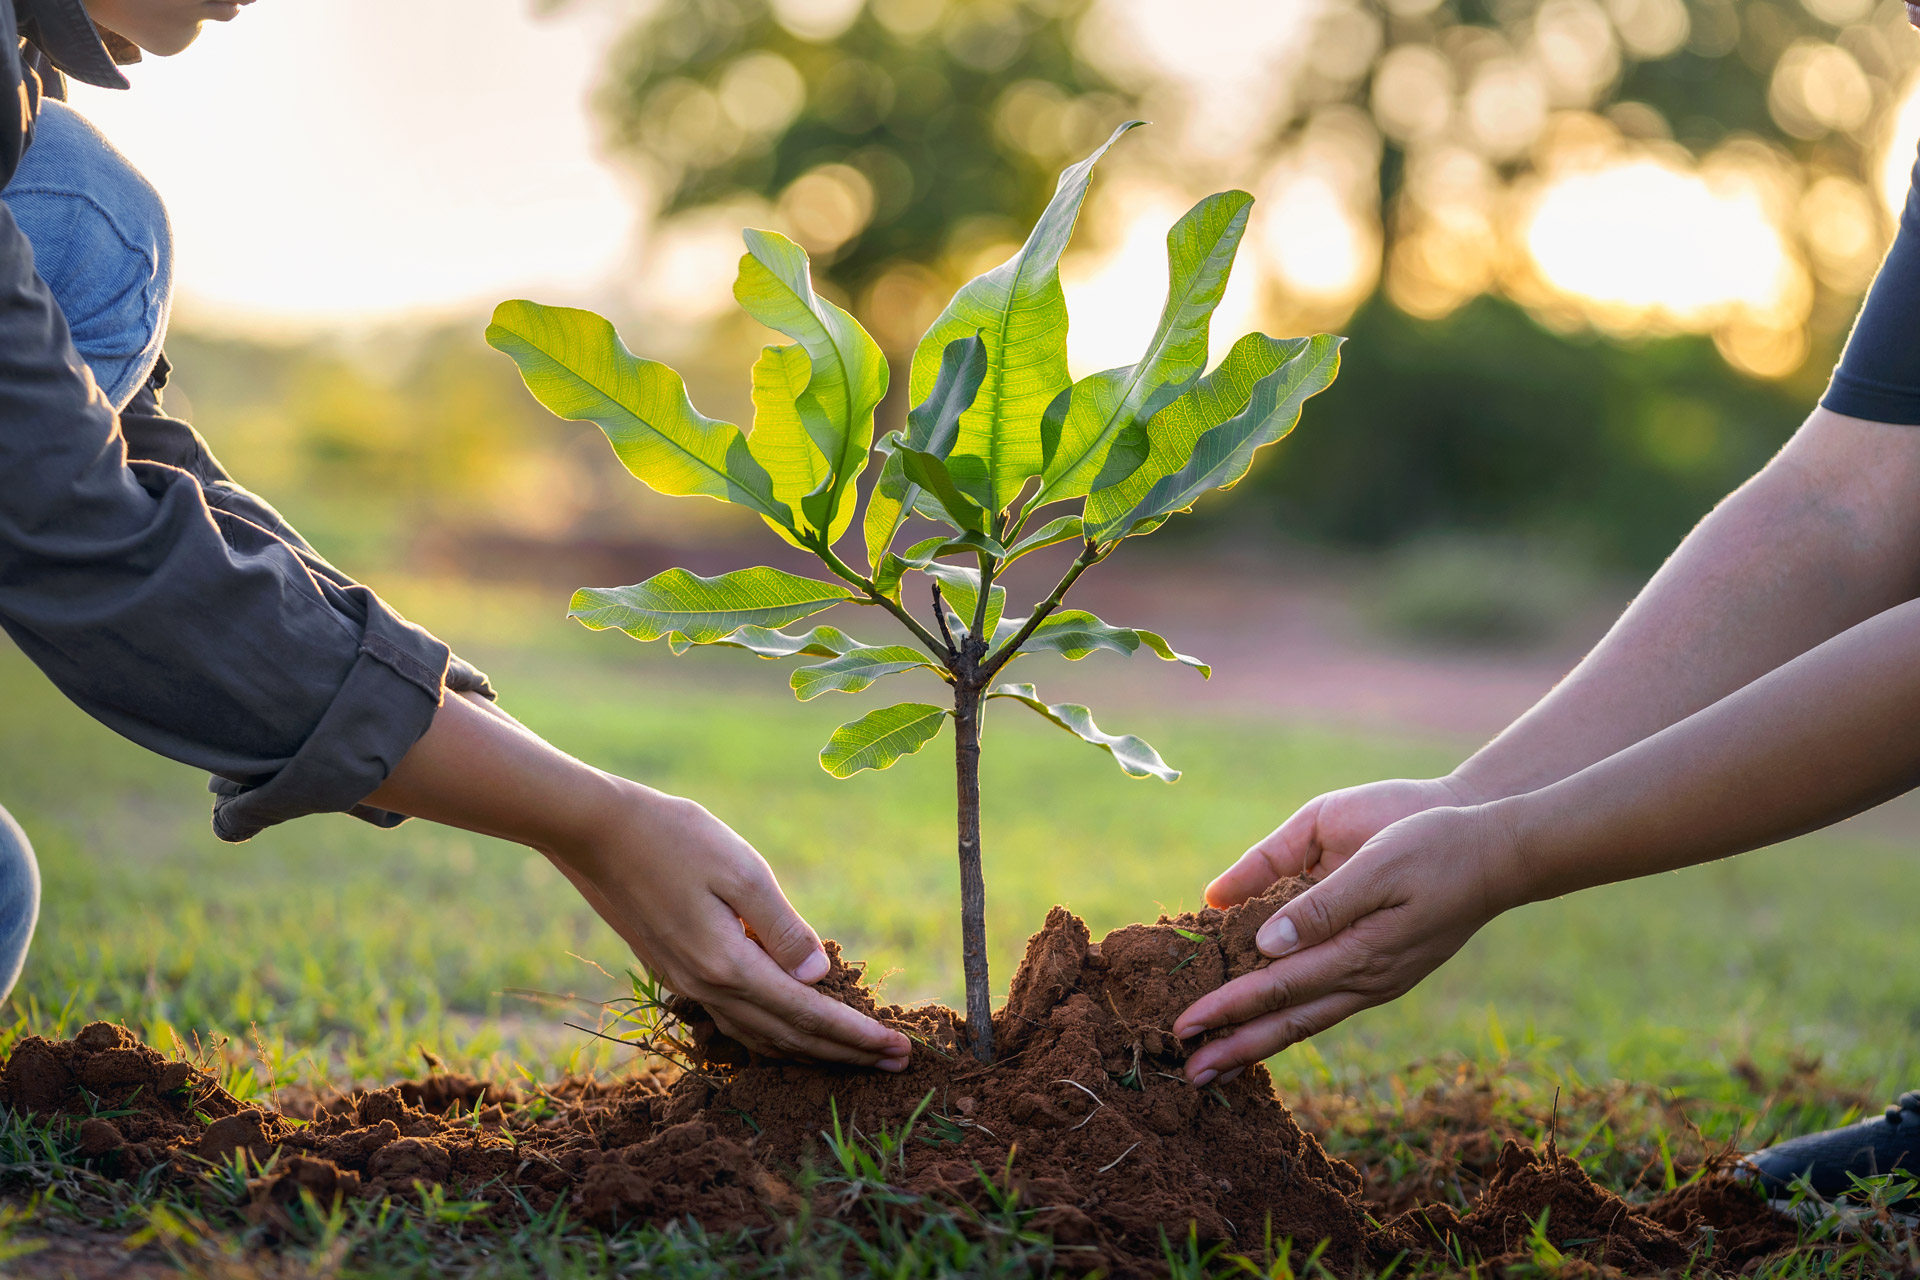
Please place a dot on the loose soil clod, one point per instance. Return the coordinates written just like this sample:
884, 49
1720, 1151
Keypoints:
1107, 1141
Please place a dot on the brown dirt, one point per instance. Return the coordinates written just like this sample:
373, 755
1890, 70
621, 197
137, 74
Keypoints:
1105, 1137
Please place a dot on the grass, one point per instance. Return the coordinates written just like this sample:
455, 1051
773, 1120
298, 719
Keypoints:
327, 951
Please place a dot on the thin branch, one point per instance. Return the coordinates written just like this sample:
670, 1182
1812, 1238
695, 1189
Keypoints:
940, 614
987, 565
1089, 556
873, 593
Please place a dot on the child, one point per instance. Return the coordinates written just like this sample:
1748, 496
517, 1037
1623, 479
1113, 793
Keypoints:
183, 611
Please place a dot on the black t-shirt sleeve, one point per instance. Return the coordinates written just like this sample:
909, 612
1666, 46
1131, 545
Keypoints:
1878, 377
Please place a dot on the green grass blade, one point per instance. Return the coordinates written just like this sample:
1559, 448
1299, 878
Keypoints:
1107, 407
848, 371
1020, 312
575, 364
1135, 758
704, 610
855, 670
879, 738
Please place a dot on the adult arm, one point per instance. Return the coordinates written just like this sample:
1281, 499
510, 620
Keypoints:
1822, 538
671, 879
1823, 737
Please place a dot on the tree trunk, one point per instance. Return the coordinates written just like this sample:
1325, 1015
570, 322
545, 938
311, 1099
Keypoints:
973, 888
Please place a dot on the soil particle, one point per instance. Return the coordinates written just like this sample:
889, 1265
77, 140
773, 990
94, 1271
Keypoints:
1727, 1212
1085, 1118
1538, 1198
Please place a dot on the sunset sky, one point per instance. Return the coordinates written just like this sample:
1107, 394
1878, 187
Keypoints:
366, 158
361, 161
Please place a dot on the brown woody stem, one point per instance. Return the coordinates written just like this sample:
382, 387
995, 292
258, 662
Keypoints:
973, 887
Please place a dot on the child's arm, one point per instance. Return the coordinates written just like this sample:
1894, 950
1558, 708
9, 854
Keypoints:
1823, 737
671, 879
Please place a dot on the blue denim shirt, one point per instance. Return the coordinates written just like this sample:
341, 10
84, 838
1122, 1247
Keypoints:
102, 244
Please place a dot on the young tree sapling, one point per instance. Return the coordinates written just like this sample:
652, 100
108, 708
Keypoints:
999, 432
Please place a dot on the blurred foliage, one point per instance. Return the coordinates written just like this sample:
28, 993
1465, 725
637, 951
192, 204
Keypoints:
882, 136
368, 448
1474, 591
904, 141
1610, 450
893, 136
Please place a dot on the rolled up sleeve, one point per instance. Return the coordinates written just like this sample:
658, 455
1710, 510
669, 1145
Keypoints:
191, 629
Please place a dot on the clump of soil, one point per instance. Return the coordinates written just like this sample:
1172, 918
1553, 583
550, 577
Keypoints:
1107, 1140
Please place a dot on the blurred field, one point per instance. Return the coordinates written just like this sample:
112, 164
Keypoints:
334, 949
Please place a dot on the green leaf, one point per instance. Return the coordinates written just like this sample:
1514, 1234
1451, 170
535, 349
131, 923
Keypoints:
930, 473
575, 364
879, 738
1135, 758
1075, 633
821, 642
1206, 439
1158, 643
1101, 440
1061, 529
1020, 312
961, 587
855, 670
780, 442
932, 427
848, 372
935, 547
704, 610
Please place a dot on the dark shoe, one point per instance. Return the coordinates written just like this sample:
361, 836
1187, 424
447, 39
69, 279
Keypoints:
1830, 1161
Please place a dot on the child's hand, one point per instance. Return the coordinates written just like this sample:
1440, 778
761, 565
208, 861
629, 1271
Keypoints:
674, 881
1383, 920
678, 885
1326, 831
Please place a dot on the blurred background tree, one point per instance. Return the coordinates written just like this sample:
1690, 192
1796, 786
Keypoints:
1595, 256
1450, 181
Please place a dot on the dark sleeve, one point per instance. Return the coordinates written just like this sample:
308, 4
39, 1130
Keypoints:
190, 630
1878, 377
152, 436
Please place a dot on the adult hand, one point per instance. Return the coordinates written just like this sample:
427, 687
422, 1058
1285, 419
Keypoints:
1380, 922
1329, 829
679, 885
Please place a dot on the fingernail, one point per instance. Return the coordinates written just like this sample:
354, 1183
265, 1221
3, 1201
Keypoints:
1204, 1079
895, 1065
1182, 1030
1232, 1075
813, 968
1277, 937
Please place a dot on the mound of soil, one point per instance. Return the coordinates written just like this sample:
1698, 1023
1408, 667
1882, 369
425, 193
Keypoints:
1085, 1115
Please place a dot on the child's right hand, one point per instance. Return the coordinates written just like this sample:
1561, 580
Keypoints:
670, 878
678, 884
1329, 829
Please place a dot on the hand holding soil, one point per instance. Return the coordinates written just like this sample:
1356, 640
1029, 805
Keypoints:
1380, 922
676, 883
1326, 831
